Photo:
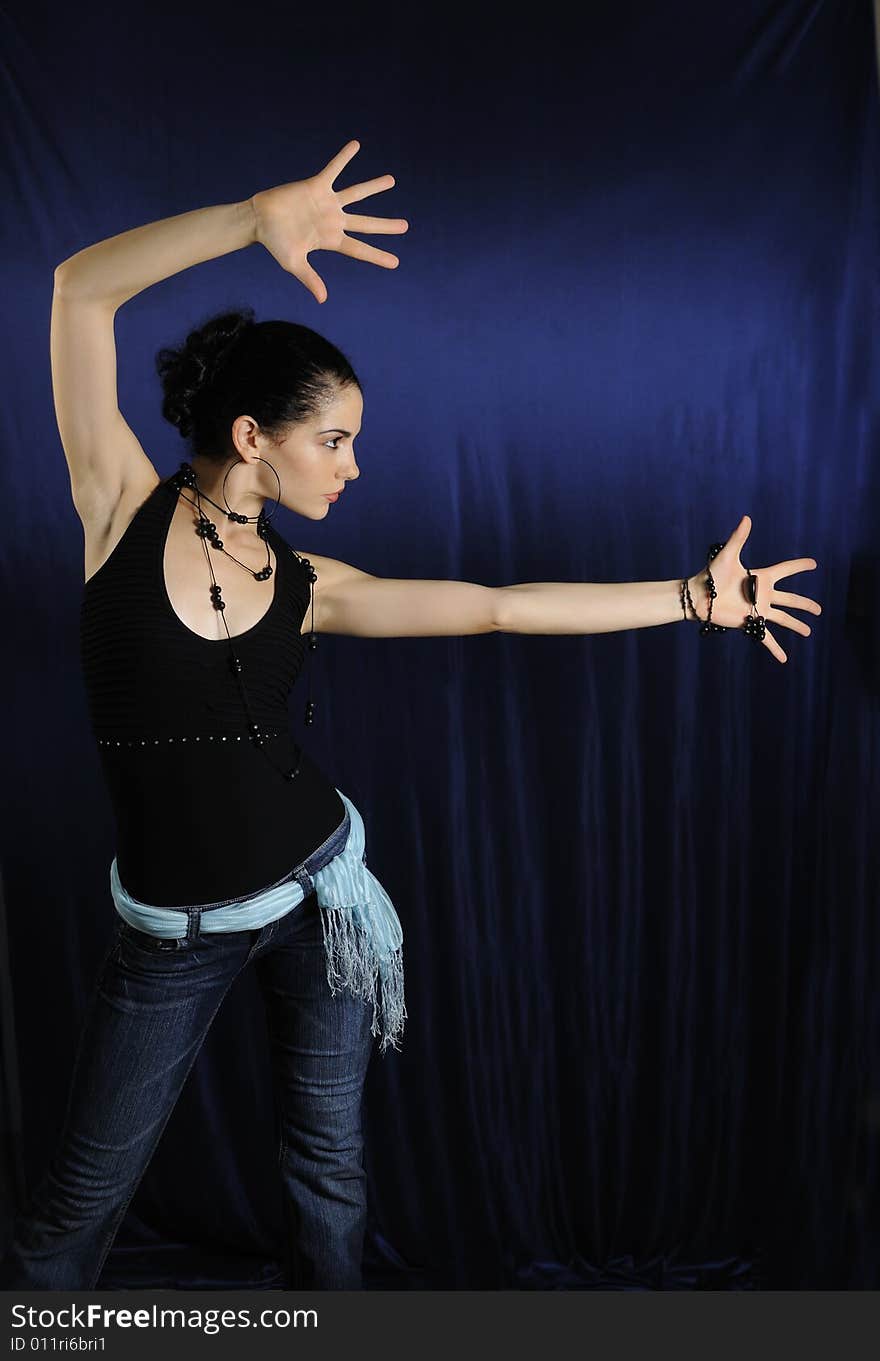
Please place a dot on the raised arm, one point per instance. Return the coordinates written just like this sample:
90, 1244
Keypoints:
114, 270
104, 457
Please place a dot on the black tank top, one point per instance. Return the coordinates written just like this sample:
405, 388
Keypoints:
201, 815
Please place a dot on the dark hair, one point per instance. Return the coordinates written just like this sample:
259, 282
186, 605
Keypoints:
276, 371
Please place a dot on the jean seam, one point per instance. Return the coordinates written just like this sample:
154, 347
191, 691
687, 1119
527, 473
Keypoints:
108, 1243
91, 1007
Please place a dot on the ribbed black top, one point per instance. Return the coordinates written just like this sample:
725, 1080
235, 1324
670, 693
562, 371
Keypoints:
201, 814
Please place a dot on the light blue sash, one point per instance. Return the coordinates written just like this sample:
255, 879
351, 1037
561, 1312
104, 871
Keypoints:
363, 938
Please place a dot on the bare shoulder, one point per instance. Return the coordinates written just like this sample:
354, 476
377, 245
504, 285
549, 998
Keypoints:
332, 578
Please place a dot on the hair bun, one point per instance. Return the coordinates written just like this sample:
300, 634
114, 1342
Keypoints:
278, 373
188, 370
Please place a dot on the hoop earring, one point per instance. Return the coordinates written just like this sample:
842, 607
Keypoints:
263, 517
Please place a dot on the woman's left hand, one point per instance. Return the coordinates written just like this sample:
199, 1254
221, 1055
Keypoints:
291, 220
731, 604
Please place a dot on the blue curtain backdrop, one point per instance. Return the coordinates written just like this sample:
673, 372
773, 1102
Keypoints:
637, 871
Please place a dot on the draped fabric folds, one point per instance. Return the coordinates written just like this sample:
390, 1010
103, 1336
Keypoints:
637, 871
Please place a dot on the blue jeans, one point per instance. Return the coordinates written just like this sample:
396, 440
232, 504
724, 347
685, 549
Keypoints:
150, 1009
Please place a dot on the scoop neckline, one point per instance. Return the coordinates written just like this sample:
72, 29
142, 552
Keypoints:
199, 637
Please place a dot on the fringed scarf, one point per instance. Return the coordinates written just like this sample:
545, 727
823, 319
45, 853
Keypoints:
363, 938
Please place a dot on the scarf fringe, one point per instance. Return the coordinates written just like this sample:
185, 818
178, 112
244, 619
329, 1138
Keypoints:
352, 963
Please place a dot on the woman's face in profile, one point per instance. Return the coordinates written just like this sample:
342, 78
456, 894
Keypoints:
316, 458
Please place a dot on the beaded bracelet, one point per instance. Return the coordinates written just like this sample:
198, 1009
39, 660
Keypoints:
753, 625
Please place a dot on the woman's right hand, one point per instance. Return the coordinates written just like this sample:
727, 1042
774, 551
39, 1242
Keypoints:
305, 215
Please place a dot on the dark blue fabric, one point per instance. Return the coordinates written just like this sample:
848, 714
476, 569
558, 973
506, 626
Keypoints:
637, 872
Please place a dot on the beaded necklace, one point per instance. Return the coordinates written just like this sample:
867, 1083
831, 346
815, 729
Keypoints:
207, 532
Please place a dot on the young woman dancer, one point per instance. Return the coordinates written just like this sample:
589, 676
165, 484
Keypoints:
195, 619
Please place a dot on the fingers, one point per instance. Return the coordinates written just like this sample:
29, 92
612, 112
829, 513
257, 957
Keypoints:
790, 621
340, 160
771, 644
311, 279
355, 192
788, 569
799, 602
355, 222
361, 251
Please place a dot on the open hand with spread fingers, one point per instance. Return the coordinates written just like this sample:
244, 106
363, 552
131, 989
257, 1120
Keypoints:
748, 597
305, 215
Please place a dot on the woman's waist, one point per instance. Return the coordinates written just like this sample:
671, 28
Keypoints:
306, 867
215, 827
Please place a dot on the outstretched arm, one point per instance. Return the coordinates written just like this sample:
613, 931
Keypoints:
350, 601
387, 607
353, 602
590, 606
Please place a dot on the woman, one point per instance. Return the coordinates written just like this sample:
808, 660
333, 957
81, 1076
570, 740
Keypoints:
214, 799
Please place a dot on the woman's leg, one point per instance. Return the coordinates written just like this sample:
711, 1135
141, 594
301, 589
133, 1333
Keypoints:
148, 1013
320, 1047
